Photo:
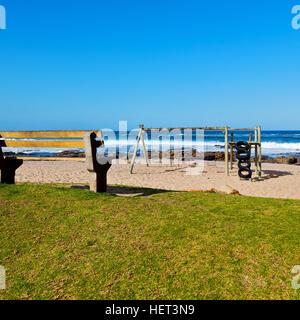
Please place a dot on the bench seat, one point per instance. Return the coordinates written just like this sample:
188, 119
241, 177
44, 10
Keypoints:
87, 140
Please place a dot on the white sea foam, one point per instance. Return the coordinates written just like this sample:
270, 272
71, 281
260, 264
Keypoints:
267, 147
38, 150
281, 146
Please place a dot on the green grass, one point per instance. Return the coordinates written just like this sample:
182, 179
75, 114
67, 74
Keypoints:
62, 243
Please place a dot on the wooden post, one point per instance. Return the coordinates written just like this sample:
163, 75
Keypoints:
226, 152
231, 151
8, 167
259, 151
144, 148
98, 181
255, 156
255, 134
250, 140
141, 127
160, 155
183, 145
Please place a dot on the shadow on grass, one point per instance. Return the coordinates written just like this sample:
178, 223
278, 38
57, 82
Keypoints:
124, 191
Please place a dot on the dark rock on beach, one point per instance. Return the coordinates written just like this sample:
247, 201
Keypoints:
214, 156
285, 160
64, 154
173, 154
292, 160
70, 154
13, 154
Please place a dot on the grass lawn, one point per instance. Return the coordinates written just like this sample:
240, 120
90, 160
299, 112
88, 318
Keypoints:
63, 243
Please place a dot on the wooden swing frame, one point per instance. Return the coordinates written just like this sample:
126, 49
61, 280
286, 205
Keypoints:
229, 145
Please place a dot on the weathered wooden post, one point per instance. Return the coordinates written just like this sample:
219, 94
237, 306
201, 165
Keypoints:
141, 128
144, 148
182, 146
259, 151
255, 156
8, 167
226, 152
250, 145
231, 151
98, 171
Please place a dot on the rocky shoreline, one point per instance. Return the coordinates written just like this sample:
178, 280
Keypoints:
208, 156
213, 156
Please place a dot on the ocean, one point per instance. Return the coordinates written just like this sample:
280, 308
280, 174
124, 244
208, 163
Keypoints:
274, 142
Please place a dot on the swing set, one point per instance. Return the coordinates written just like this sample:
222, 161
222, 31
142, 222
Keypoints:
229, 145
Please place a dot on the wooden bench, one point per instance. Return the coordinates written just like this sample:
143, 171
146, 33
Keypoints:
86, 140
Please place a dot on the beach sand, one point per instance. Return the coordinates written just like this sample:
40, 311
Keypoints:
278, 180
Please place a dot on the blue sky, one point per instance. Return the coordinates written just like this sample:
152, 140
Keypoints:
67, 64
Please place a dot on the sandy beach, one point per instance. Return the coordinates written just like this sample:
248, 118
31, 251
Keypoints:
278, 180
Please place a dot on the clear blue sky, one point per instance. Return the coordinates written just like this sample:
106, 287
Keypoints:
67, 64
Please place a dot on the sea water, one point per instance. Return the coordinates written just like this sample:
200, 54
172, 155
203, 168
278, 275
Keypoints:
274, 143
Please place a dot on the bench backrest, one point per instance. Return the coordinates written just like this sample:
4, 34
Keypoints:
46, 139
